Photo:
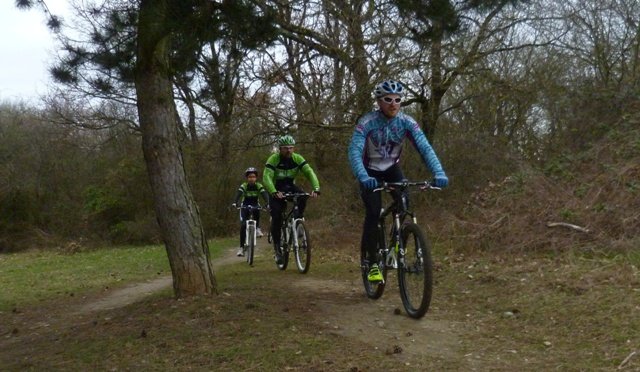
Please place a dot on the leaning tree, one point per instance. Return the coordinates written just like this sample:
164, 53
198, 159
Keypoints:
150, 62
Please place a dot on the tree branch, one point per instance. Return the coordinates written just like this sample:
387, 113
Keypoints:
567, 225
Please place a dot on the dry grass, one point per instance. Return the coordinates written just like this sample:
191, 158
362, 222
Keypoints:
490, 312
538, 312
598, 191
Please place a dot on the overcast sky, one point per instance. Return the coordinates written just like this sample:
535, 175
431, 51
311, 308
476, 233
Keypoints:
26, 49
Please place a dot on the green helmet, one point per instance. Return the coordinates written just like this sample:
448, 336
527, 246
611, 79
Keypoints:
286, 140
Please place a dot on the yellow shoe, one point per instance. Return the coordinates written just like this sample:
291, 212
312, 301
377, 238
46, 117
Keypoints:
375, 275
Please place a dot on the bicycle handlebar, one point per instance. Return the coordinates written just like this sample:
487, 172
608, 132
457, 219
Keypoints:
292, 195
424, 185
250, 207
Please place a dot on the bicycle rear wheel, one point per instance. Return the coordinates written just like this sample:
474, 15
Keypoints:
252, 244
303, 251
415, 275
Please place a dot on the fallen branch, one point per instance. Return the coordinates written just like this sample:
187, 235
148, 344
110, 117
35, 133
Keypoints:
498, 222
626, 360
567, 225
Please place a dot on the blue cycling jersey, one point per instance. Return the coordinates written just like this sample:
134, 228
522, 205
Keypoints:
377, 143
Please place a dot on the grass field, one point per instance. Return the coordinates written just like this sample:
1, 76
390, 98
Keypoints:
567, 311
34, 276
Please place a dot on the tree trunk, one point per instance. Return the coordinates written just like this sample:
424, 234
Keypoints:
432, 108
358, 64
175, 207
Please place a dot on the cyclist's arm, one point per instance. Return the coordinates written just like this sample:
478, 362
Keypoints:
269, 174
264, 193
239, 195
356, 153
308, 172
419, 140
311, 176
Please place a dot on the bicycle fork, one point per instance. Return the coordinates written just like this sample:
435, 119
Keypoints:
294, 233
394, 253
249, 223
294, 225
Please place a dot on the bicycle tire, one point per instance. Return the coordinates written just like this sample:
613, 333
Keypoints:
415, 275
284, 249
373, 290
252, 244
303, 251
284, 252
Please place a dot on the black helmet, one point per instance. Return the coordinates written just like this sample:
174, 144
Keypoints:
251, 170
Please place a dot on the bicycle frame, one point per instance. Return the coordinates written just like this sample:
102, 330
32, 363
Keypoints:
407, 251
250, 221
393, 252
289, 223
294, 236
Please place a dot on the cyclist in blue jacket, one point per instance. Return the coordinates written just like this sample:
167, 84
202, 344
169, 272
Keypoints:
374, 154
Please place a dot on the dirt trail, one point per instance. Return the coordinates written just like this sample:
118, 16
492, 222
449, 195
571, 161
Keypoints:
135, 292
350, 314
346, 312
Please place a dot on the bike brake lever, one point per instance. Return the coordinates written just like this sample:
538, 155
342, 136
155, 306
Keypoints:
430, 186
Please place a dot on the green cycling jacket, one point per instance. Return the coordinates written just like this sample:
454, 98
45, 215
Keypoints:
248, 193
280, 173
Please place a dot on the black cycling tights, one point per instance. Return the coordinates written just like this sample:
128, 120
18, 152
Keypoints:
279, 205
373, 205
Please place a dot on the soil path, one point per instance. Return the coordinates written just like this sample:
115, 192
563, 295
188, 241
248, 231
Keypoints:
345, 310
135, 292
349, 313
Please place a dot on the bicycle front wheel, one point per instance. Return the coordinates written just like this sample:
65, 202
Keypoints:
252, 244
415, 273
284, 249
303, 250
284, 256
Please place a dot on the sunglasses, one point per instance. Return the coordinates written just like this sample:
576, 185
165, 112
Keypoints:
390, 100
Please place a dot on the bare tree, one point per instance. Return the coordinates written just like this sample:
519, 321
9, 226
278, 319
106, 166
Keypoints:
464, 35
153, 27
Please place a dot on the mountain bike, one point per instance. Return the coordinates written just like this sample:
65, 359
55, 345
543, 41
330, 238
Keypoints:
294, 236
408, 251
250, 231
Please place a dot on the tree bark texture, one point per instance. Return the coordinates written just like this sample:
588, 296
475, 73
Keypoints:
175, 207
358, 63
431, 111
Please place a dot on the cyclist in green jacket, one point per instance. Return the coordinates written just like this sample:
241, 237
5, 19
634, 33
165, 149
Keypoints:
248, 193
278, 178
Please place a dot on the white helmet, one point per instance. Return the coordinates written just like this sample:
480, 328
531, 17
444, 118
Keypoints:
388, 87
